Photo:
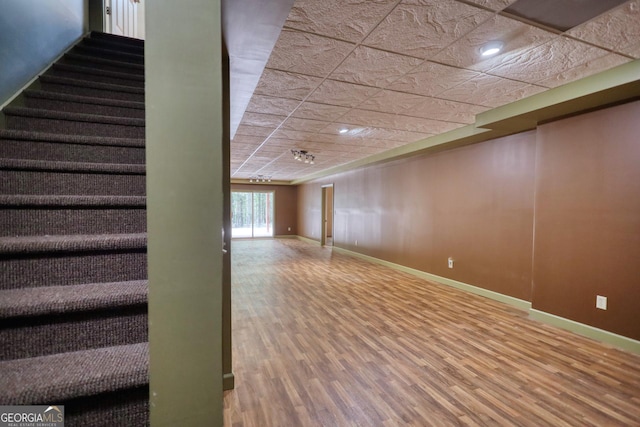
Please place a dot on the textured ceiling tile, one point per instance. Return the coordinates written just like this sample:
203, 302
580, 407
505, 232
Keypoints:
493, 4
617, 29
489, 90
246, 139
388, 101
343, 19
430, 79
271, 149
254, 130
286, 85
303, 136
547, 60
450, 111
516, 36
366, 134
288, 134
634, 51
373, 67
303, 124
423, 29
394, 121
257, 119
587, 69
422, 106
341, 93
272, 105
306, 53
241, 148
311, 110
400, 135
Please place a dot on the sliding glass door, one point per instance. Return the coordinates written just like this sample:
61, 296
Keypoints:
252, 214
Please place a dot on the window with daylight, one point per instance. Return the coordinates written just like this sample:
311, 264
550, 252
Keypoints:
252, 214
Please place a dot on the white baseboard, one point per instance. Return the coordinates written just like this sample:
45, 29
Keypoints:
522, 304
308, 240
551, 319
586, 330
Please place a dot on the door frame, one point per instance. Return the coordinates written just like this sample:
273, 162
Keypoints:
138, 20
323, 224
272, 210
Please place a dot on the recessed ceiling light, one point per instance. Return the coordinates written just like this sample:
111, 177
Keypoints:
344, 130
491, 48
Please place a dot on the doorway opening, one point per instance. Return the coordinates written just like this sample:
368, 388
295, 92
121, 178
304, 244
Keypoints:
252, 214
125, 18
326, 238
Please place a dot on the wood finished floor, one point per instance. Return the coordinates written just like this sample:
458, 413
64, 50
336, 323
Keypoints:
324, 339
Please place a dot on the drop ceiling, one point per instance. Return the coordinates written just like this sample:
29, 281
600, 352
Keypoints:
394, 72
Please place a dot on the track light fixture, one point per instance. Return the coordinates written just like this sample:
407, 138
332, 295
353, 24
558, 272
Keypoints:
303, 156
260, 178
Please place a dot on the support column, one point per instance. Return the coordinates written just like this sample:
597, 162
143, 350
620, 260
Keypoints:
184, 137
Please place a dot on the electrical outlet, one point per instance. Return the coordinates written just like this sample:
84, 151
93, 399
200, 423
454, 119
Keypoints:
450, 262
601, 302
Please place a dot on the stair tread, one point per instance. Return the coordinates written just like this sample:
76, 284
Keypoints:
70, 139
21, 245
98, 60
89, 84
52, 280
114, 45
76, 117
107, 51
26, 200
44, 300
77, 167
117, 38
63, 376
83, 99
98, 72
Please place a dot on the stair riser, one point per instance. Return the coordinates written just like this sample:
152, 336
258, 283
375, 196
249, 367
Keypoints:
40, 221
118, 39
41, 336
100, 66
105, 54
106, 44
96, 93
56, 151
95, 78
59, 269
37, 124
77, 107
58, 183
128, 407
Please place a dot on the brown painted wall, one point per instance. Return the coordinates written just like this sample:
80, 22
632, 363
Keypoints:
286, 197
587, 235
476, 204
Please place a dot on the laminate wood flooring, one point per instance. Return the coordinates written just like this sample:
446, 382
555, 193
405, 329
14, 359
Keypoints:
325, 339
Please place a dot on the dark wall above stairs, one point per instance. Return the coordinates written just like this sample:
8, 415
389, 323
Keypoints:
73, 268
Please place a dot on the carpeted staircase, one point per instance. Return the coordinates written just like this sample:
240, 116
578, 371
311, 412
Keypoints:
73, 268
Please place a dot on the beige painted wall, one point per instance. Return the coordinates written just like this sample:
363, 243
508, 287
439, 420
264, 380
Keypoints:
184, 134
